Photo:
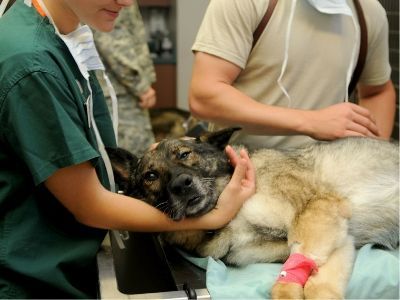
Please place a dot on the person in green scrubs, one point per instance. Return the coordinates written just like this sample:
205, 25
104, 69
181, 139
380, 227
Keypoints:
55, 203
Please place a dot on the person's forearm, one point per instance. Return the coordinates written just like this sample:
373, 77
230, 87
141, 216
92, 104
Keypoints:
94, 206
221, 103
214, 98
382, 106
225, 105
114, 211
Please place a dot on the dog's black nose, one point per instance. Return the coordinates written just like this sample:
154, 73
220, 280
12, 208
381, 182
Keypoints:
181, 183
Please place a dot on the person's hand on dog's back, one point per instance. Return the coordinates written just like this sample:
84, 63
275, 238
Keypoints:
240, 188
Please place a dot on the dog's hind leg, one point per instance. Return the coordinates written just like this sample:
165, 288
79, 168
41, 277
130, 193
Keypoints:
314, 236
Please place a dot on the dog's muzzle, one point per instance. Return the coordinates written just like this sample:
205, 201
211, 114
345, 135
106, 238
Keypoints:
181, 184
184, 196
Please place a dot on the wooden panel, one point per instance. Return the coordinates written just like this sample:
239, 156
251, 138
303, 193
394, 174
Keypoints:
154, 2
165, 85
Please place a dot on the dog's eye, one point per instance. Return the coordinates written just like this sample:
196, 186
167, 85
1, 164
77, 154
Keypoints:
150, 176
183, 155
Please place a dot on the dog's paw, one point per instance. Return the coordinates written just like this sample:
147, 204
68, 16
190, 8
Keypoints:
287, 291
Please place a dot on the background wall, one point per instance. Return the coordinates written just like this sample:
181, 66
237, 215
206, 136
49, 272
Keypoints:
189, 15
392, 9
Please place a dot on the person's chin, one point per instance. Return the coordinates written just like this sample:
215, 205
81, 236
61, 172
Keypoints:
105, 26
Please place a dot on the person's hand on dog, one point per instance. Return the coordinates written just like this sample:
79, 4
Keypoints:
243, 181
240, 188
341, 120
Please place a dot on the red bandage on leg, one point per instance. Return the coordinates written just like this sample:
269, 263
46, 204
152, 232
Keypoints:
297, 269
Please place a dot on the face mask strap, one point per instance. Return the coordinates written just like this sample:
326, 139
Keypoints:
119, 236
100, 141
48, 15
286, 55
353, 57
114, 104
3, 7
341, 7
349, 72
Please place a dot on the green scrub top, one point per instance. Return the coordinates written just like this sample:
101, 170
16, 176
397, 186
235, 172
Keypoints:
44, 251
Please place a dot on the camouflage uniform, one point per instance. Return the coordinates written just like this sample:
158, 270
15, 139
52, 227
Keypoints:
126, 56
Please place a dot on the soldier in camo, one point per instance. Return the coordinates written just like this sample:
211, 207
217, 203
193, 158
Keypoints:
126, 56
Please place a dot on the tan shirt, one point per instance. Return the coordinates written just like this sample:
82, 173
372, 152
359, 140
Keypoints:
320, 49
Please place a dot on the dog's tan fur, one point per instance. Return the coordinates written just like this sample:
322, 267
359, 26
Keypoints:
319, 201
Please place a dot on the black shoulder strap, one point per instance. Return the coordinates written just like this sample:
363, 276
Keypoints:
363, 39
363, 48
264, 21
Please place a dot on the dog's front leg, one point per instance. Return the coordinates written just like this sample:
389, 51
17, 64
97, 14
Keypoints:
331, 280
317, 235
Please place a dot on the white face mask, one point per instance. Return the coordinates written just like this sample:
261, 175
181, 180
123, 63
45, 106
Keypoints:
81, 44
332, 6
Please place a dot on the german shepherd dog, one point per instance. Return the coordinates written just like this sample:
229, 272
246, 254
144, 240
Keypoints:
321, 201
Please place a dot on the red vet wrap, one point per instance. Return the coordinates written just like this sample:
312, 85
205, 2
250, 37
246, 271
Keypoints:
297, 269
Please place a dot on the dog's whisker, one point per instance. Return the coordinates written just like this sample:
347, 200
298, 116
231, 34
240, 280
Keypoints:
160, 204
207, 179
163, 207
168, 211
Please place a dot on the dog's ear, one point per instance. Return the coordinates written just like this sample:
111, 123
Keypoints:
218, 138
123, 164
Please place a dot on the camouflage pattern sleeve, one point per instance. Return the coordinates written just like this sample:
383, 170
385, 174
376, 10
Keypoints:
125, 52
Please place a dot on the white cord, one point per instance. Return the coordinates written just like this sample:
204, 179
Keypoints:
3, 6
286, 56
353, 58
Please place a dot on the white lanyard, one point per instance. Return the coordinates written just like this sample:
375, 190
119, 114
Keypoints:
3, 6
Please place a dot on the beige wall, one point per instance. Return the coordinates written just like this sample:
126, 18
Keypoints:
189, 14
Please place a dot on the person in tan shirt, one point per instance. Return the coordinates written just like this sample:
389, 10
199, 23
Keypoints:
290, 88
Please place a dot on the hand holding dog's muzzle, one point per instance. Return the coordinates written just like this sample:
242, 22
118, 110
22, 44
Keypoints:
240, 188
244, 173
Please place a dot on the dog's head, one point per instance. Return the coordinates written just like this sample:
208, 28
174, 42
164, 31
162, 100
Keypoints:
182, 177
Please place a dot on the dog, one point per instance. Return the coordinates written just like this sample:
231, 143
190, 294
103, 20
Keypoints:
321, 202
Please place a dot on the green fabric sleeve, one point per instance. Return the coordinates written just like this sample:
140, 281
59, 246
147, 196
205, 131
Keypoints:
45, 125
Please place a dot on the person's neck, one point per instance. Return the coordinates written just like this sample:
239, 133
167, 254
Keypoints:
64, 18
